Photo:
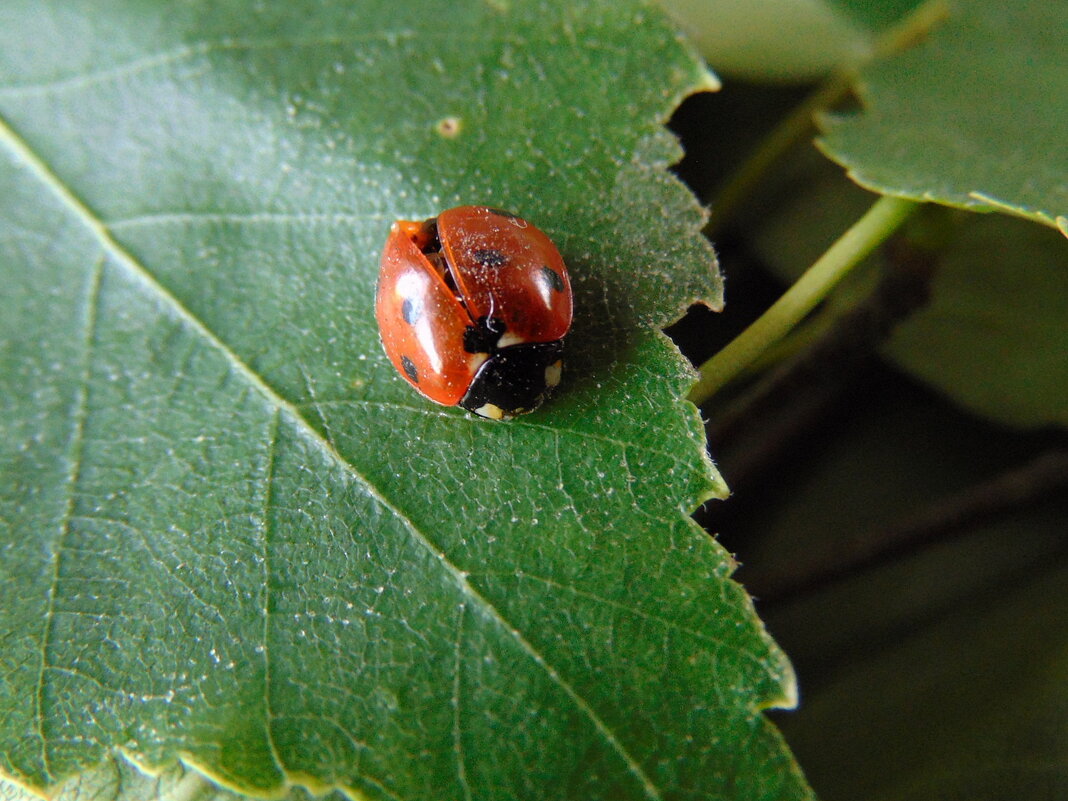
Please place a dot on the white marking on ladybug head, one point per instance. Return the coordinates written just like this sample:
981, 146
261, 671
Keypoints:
552, 373
508, 338
476, 360
490, 410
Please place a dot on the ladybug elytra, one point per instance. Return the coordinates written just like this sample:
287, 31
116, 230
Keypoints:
472, 308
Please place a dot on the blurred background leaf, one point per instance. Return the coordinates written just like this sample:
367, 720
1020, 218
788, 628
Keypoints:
992, 336
973, 116
779, 41
939, 669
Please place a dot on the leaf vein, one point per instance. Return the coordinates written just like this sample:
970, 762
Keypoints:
265, 526
77, 438
668, 623
557, 431
457, 731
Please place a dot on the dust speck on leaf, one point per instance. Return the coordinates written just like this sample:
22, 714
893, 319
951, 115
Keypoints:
449, 127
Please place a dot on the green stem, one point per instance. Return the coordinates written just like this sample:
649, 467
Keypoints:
800, 123
878, 223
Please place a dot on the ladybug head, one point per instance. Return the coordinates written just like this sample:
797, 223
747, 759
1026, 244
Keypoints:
514, 380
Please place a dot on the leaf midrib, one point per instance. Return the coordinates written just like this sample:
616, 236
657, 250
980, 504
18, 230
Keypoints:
51, 179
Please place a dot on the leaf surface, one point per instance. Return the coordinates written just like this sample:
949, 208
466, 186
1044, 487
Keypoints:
231, 535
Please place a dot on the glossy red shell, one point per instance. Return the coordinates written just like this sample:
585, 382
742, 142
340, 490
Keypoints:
439, 277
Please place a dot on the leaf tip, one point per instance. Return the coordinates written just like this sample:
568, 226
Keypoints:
707, 80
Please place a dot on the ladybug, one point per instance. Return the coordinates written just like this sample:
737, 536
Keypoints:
472, 308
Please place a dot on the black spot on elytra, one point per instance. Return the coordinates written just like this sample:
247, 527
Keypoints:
490, 257
483, 335
502, 213
411, 311
409, 369
552, 278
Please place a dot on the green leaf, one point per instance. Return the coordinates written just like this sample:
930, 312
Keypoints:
972, 117
993, 335
231, 535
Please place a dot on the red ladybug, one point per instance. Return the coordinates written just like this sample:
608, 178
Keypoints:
472, 307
